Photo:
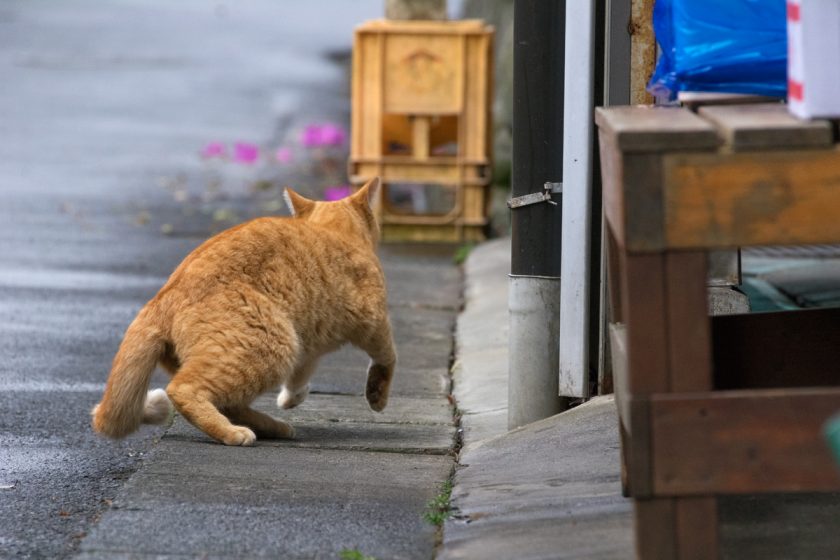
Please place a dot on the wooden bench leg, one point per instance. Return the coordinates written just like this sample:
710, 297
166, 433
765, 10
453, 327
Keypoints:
697, 528
677, 528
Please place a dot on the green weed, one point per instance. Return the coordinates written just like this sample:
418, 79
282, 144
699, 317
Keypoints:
438, 509
462, 252
354, 554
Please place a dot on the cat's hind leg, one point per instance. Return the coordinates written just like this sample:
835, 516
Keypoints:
263, 425
296, 387
195, 398
379, 345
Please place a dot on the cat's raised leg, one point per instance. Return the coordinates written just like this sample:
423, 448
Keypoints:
296, 387
264, 425
194, 400
383, 355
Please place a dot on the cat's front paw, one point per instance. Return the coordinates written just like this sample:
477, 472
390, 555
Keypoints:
376, 390
290, 399
240, 435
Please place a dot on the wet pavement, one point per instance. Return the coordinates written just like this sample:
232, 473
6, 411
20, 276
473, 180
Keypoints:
105, 107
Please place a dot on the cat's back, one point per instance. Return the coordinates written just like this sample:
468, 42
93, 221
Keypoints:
275, 255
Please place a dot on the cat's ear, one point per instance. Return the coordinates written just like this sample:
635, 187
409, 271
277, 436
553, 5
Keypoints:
367, 194
298, 205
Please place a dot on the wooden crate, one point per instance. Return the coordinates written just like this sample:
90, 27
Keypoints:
421, 116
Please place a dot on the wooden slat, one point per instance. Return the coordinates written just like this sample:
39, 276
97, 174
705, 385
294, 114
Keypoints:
420, 137
676, 528
632, 195
689, 338
655, 527
656, 129
777, 350
612, 177
425, 27
695, 99
697, 528
644, 312
766, 125
643, 204
741, 199
742, 442
643, 284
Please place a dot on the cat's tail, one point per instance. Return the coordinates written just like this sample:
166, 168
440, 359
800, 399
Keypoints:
126, 404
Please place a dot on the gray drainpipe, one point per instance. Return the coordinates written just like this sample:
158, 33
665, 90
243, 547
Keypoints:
536, 210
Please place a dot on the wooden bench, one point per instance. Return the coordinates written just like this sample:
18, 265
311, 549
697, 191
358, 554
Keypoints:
711, 406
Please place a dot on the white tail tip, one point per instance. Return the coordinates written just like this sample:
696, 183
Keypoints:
157, 408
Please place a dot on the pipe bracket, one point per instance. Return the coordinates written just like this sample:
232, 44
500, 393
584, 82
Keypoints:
536, 198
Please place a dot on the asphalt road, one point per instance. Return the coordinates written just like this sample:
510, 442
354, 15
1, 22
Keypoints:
104, 107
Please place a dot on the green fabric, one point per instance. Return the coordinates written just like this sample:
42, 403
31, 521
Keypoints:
832, 434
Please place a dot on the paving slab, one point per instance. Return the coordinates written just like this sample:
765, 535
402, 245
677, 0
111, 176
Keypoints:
350, 408
418, 281
550, 489
345, 371
269, 502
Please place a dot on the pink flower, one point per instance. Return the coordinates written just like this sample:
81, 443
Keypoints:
332, 135
311, 136
283, 155
246, 153
316, 135
337, 193
214, 149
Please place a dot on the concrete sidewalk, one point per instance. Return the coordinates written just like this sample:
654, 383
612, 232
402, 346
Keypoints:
551, 489
352, 479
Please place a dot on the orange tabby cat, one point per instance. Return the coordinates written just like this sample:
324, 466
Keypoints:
253, 308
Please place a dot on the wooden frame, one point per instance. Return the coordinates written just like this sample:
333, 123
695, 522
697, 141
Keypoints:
704, 408
416, 83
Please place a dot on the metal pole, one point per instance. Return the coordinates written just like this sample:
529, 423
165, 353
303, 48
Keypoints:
577, 197
534, 296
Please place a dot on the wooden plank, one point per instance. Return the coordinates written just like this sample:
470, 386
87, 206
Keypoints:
643, 301
420, 137
449, 27
695, 99
632, 195
743, 442
644, 226
697, 528
766, 125
656, 129
776, 350
655, 527
612, 186
645, 315
453, 233
676, 528
689, 338
741, 199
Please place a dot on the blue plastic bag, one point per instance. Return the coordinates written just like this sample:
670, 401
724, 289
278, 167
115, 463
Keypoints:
735, 46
